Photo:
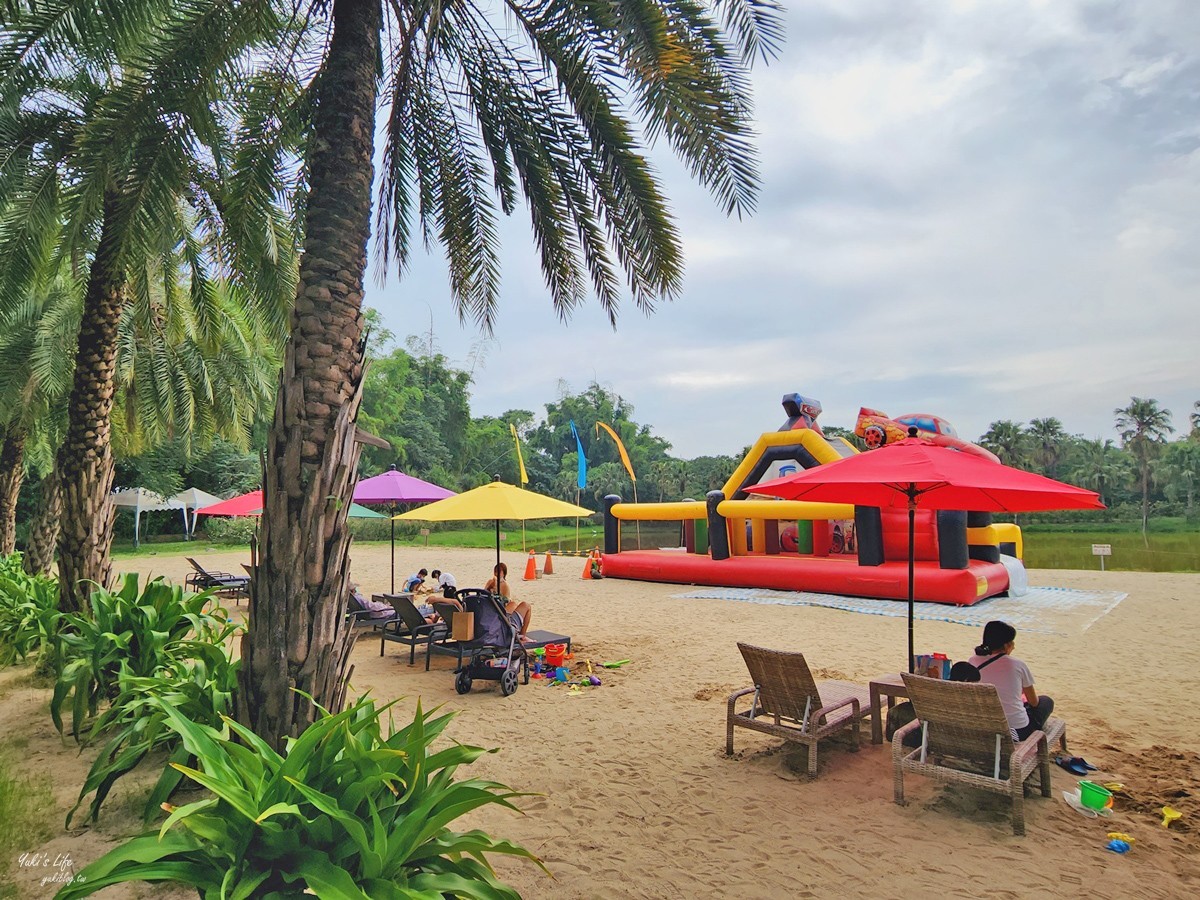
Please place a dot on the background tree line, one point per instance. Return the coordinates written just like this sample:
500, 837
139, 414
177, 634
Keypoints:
420, 402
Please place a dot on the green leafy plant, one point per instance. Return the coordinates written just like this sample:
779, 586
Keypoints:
29, 615
128, 634
199, 688
344, 813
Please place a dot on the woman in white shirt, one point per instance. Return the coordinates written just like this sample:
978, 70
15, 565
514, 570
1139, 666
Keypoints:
1025, 710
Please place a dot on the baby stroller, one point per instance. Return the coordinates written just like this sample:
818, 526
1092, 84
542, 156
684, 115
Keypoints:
494, 654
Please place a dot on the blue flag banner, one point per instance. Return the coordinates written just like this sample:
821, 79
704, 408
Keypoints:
582, 479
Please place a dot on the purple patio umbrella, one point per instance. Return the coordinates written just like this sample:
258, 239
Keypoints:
394, 487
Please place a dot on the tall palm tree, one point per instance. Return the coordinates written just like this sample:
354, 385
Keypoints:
1195, 417
1008, 440
35, 374
487, 105
1143, 427
115, 123
178, 371
1048, 438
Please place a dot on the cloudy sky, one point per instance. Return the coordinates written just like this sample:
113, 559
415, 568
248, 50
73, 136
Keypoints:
983, 210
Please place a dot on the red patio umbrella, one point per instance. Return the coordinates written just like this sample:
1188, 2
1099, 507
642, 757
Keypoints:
244, 505
914, 473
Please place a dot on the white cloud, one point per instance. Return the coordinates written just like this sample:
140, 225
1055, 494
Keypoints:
984, 210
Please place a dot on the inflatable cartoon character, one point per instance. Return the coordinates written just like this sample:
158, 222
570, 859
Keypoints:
876, 429
802, 413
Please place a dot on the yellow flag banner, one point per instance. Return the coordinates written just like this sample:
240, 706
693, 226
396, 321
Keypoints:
520, 459
620, 449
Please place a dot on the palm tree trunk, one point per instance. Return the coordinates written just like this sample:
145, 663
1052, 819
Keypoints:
297, 638
85, 460
12, 473
1145, 502
43, 527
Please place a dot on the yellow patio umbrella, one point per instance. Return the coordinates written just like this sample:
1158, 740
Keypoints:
495, 500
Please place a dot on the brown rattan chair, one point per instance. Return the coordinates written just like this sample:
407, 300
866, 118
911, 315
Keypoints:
965, 739
788, 703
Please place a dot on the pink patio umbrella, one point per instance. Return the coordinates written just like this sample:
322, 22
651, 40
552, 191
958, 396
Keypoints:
392, 487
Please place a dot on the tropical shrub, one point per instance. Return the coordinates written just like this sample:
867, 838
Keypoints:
199, 688
29, 613
127, 634
236, 530
344, 812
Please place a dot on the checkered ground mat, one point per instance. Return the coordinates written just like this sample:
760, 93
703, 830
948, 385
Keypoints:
1047, 610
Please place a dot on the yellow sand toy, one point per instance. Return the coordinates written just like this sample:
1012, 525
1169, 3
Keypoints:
1170, 815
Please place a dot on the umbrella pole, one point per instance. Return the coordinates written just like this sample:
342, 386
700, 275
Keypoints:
637, 523
497, 554
912, 515
393, 510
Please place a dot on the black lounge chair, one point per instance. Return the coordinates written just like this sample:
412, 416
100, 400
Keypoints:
223, 584
409, 627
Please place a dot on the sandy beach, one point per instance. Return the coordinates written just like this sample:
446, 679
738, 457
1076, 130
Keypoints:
636, 798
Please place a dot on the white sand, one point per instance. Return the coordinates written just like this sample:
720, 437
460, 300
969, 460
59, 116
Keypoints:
637, 798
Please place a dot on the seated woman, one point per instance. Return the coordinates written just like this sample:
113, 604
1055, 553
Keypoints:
1025, 710
498, 584
373, 608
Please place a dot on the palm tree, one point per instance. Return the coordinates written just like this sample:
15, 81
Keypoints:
116, 129
487, 105
178, 371
1181, 468
1007, 440
1048, 438
34, 376
1143, 427
1101, 466
1195, 417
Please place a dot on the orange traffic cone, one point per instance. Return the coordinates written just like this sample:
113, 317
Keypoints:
548, 568
587, 567
530, 568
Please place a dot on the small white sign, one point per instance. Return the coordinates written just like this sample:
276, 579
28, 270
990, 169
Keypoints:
424, 532
1101, 549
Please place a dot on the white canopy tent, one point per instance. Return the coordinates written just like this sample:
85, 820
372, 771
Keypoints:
193, 499
141, 500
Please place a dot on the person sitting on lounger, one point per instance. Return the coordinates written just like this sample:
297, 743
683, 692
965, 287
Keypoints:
373, 608
498, 584
1025, 709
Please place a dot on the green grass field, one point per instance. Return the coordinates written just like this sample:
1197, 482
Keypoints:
1051, 549
1073, 550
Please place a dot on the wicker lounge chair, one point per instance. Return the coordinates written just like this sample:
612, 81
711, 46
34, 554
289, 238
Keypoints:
788, 703
966, 740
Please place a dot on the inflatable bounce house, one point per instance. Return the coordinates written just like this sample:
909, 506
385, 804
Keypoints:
735, 539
